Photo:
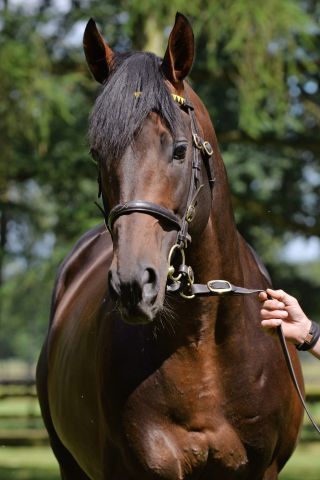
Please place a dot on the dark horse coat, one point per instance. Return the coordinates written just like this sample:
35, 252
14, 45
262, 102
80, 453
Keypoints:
135, 384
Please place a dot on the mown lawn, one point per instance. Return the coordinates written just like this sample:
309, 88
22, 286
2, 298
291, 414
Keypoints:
38, 463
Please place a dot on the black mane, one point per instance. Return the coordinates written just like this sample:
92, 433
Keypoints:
118, 113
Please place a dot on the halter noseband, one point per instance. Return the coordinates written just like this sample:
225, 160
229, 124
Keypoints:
143, 207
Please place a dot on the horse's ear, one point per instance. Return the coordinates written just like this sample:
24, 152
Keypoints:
98, 53
179, 55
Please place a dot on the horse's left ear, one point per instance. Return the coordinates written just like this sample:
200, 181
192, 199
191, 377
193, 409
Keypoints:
179, 55
98, 53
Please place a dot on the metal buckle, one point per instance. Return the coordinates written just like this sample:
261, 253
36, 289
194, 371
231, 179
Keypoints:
211, 286
207, 148
190, 213
197, 141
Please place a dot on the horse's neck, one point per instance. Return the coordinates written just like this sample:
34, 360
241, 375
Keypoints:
217, 250
215, 255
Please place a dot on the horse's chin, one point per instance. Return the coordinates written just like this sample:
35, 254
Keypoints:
138, 315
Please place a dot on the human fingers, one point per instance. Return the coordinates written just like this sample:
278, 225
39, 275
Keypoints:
282, 296
271, 323
270, 314
263, 296
273, 305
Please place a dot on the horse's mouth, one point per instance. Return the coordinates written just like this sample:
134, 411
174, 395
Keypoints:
139, 314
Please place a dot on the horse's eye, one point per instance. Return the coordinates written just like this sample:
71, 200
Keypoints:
179, 151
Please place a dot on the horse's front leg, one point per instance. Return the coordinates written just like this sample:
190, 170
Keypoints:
271, 473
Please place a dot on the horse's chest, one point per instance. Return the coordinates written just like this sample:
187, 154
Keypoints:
175, 430
173, 451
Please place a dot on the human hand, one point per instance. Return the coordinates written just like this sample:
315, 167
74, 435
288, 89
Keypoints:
284, 310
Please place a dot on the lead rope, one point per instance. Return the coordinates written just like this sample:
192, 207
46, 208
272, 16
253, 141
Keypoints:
293, 376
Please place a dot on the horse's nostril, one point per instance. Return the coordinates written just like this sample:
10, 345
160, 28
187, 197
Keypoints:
149, 276
149, 285
135, 291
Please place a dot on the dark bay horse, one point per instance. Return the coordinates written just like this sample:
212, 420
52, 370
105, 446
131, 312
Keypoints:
136, 382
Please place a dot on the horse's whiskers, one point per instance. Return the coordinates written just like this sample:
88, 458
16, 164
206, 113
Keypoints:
167, 317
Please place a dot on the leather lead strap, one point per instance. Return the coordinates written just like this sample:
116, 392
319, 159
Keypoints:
293, 376
219, 288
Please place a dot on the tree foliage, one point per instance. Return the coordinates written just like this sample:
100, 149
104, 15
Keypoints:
256, 70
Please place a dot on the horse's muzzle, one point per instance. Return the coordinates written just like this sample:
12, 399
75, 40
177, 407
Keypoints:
135, 293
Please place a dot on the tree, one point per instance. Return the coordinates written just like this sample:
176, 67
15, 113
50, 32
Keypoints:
257, 72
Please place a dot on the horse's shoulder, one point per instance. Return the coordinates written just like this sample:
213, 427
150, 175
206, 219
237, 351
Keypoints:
85, 252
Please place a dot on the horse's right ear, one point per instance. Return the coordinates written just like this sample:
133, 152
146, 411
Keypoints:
179, 55
98, 53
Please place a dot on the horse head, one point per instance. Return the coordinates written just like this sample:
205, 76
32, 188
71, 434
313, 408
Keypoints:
146, 133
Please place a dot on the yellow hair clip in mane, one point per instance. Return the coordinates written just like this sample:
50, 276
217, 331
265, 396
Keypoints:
178, 99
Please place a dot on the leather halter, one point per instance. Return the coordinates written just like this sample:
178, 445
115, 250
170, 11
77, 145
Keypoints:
164, 214
182, 280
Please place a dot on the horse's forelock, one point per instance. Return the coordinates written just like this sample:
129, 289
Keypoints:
135, 88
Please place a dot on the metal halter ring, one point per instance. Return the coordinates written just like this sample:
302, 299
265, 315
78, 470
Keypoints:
171, 268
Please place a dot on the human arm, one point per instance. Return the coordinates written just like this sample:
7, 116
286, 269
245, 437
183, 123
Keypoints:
283, 309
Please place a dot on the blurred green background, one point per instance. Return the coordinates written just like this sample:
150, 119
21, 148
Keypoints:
257, 71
